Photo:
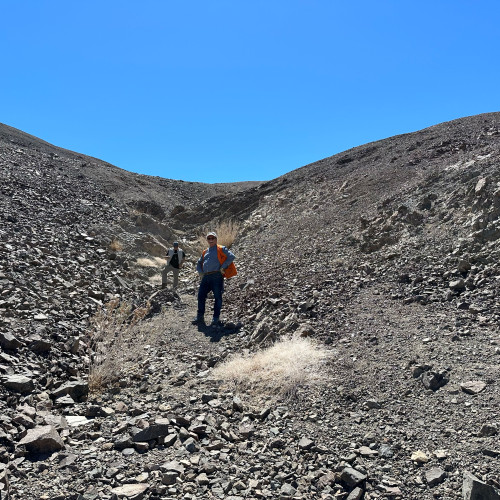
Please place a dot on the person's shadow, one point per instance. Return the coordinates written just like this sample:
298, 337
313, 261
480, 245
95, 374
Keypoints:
217, 332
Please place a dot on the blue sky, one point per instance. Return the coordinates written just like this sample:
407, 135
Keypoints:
223, 91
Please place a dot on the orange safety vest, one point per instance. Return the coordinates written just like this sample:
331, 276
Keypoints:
230, 271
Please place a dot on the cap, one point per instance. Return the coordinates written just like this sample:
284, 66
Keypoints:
176, 243
212, 233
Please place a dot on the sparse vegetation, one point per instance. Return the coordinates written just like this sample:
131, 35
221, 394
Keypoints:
277, 370
117, 341
227, 231
116, 245
151, 262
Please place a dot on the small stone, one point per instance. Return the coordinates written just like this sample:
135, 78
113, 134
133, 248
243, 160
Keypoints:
434, 380
356, 494
190, 445
473, 387
237, 404
385, 451
457, 285
488, 430
288, 490
366, 451
419, 457
306, 444
434, 476
77, 421
128, 490
202, 479
169, 478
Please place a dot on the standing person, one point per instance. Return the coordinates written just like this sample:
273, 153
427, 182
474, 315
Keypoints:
212, 266
175, 260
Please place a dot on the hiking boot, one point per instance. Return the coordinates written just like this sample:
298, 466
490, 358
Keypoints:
215, 321
199, 320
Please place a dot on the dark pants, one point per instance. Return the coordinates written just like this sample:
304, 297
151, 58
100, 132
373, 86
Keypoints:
215, 283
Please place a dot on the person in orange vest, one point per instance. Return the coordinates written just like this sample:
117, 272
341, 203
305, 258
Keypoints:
212, 266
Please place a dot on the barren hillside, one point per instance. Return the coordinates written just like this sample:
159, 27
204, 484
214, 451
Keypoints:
385, 257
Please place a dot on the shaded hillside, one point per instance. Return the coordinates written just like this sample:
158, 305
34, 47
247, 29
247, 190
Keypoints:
152, 195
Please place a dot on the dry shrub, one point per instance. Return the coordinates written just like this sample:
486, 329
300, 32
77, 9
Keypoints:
117, 341
277, 370
115, 245
151, 262
226, 234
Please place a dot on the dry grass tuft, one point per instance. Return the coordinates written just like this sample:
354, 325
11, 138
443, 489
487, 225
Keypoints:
117, 341
278, 370
227, 232
115, 245
151, 262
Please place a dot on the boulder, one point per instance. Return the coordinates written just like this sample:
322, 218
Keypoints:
158, 429
352, 477
76, 389
474, 489
473, 387
434, 476
19, 383
9, 342
42, 439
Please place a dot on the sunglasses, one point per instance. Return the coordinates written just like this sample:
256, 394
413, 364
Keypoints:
210, 238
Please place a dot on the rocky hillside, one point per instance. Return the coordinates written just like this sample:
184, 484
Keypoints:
385, 255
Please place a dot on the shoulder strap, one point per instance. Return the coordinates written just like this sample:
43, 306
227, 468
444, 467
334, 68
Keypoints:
221, 255
202, 258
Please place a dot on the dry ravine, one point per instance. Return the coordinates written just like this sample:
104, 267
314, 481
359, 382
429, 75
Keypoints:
384, 258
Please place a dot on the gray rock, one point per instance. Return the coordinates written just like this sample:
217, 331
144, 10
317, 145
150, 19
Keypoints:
169, 478
463, 266
122, 442
434, 476
202, 479
158, 429
474, 489
288, 490
19, 383
191, 445
434, 380
352, 477
372, 404
356, 494
39, 345
385, 451
488, 430
306, 444
130, 490
457, 285
76, 390
42, 439
237, 404
172, 466
9, 342
473, 387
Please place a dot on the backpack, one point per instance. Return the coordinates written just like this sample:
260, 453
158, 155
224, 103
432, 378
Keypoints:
231, 269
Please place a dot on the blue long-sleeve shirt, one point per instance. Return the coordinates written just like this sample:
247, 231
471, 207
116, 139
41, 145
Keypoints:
210, 262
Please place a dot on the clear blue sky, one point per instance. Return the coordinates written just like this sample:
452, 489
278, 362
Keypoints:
222, 91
